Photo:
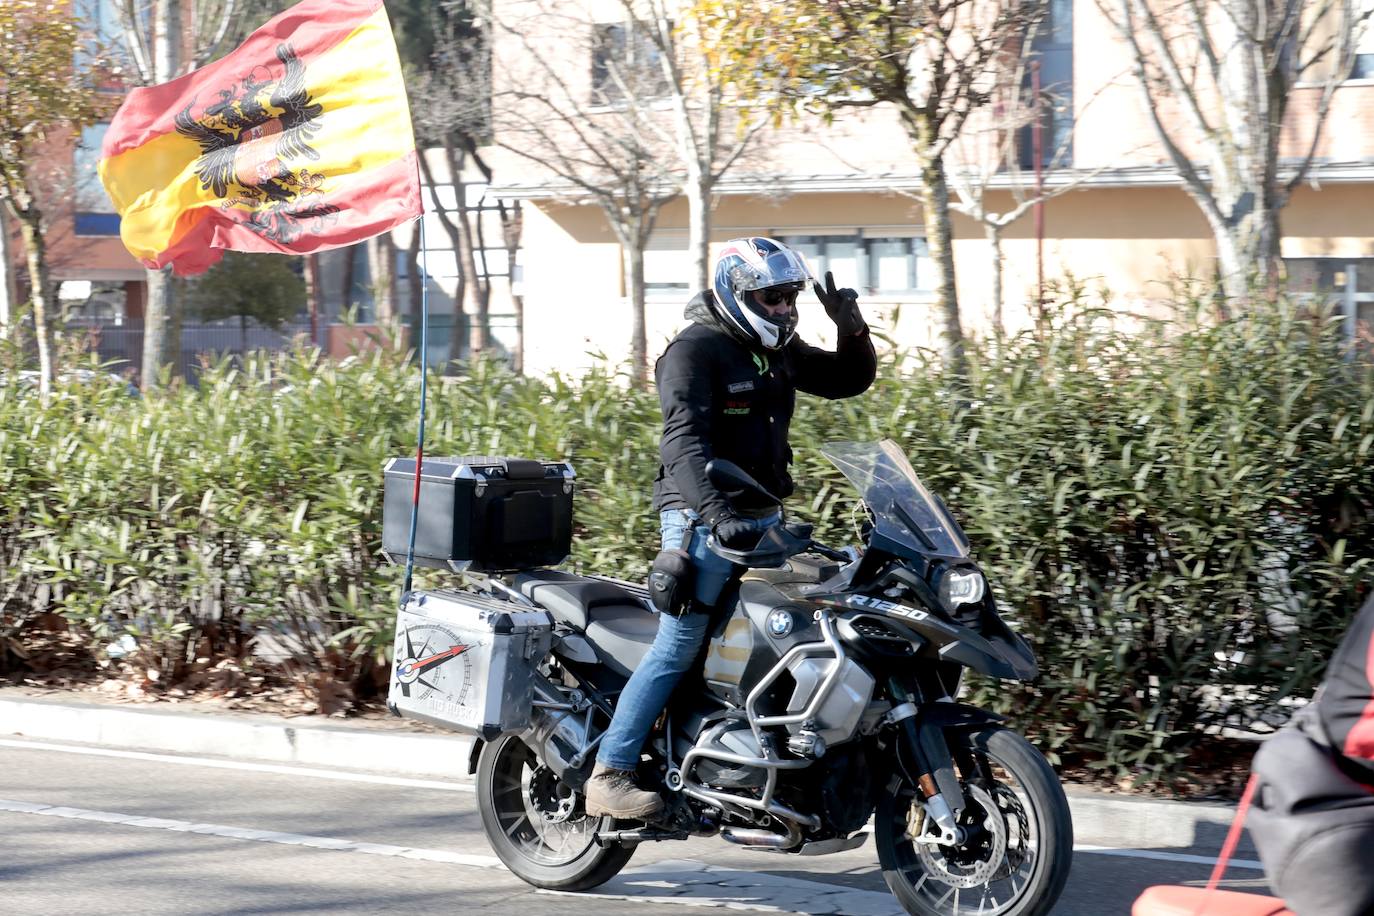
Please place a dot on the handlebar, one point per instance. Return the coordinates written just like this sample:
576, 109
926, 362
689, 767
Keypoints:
775, 546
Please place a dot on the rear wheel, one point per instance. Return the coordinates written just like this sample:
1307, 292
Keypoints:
1019, 835
537, 826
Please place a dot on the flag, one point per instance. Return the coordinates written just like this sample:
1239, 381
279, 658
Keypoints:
297, 141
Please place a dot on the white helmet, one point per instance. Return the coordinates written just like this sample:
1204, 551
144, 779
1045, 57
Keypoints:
750, 269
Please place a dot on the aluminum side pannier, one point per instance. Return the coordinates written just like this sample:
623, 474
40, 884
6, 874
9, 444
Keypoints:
467, 661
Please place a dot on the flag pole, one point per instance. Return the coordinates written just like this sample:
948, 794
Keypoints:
424, 374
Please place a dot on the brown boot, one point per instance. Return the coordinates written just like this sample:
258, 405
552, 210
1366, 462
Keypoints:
614, 792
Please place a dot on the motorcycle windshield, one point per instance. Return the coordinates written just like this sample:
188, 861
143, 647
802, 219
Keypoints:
904, 511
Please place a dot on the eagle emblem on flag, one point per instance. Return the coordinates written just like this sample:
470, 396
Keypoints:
255, 149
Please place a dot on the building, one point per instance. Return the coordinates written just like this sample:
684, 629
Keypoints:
845, 195
101, 287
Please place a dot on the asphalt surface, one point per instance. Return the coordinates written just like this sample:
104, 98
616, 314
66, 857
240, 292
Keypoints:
225, 837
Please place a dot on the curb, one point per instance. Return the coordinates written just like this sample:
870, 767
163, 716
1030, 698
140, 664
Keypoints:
303, 741
1099, 818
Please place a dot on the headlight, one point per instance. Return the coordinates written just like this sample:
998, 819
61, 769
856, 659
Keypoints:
962, 586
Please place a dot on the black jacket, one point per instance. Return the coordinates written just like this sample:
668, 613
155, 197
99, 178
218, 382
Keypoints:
723, 399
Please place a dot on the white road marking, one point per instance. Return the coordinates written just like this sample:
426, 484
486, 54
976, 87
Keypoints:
243, 833
684, 883
279, 769
1167, 856
346, 776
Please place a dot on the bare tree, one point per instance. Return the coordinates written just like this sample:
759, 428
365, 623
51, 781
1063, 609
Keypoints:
932, 61
445, 49
1216, 80
596, 133
155, 33
45, 92
710, 134
1026, 121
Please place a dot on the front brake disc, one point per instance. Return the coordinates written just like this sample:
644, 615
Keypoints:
976, 862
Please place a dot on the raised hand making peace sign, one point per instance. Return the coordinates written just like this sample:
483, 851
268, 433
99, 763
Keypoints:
842, 305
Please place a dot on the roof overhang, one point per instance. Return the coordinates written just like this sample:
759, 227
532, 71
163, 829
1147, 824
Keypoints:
1154, 176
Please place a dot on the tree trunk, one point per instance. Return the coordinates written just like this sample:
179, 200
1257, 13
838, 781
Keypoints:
511, 225
1247, 239
415, 289
313, 296
474, 302
349, 278
939, 239
156, 306
8, 295
41, 298
458, 333
634, 294
380, 255
698, 190
994, 234
160, 302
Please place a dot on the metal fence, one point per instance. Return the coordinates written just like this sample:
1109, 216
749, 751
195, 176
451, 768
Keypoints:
121, 345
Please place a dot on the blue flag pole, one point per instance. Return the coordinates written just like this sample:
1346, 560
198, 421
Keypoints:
424, 376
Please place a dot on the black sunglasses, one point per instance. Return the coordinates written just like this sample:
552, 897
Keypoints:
776, 296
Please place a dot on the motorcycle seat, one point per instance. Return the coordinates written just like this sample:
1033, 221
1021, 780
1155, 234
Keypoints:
613, 619
572, 599
622, 636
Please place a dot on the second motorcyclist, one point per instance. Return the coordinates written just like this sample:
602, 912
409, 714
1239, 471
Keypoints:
727, 385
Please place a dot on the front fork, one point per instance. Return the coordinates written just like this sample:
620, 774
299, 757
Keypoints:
925, 757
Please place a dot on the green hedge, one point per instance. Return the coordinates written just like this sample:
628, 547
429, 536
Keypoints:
1179, 517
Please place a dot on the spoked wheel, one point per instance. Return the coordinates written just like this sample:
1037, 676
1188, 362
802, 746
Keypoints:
1018, 836
536, 824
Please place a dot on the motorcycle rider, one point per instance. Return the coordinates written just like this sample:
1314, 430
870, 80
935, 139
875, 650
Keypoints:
727, 385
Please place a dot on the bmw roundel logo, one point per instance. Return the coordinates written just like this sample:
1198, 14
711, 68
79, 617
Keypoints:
779, 624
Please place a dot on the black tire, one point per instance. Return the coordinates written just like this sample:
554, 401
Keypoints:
1043, 824
578, 864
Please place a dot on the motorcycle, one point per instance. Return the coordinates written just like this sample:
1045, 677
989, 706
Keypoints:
827, 696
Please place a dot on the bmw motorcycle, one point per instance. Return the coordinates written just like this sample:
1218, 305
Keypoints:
826, 698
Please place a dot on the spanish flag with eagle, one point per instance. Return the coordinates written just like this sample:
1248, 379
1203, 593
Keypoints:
297, 141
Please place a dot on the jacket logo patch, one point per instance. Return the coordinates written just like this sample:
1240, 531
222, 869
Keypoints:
736, 408
737, 387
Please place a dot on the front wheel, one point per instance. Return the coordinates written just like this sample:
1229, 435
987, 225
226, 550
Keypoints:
537, 826
1019, 843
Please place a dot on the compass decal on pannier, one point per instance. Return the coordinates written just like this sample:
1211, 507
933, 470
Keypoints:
430, 670
465, 661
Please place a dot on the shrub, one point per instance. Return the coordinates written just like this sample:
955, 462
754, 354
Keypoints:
1178, 518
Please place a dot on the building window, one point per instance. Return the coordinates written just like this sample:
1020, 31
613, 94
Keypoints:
626, 64
668, 264
1051, 63
873, 264
1345, 283
95, 214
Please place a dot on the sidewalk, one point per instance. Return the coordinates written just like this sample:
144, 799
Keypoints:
394, 747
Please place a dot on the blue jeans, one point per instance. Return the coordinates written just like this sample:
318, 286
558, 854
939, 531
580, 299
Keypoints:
675, 646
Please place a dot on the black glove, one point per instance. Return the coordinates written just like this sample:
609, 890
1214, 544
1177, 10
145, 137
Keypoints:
735, 533
842, 305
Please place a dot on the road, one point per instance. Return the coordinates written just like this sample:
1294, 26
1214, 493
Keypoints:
92, 831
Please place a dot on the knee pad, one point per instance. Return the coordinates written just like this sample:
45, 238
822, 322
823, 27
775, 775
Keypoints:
670, 582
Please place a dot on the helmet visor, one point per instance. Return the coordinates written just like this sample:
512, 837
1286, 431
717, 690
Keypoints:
776, 269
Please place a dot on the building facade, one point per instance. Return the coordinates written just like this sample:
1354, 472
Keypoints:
845, 194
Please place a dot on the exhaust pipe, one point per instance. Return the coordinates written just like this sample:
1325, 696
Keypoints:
764, 839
